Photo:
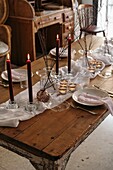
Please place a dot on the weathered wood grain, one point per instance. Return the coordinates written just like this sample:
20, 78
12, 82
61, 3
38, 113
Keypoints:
48, 139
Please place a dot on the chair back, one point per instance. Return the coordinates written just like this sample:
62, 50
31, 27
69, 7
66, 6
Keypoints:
4, 11
86, 15
5, 34
5, 30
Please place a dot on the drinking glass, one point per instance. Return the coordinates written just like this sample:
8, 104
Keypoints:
82, 82
42, 76
23, 81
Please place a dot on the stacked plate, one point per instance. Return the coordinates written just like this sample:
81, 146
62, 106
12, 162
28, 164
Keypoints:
62, 51
16, 75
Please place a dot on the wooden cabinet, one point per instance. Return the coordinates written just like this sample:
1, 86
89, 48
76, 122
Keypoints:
68, 25
35, 32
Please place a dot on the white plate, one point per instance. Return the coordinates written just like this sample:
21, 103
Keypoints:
17, 74
61, 52
90, 91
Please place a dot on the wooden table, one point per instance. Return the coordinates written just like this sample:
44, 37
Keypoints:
48, 139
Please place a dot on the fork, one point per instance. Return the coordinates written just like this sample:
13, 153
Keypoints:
79, 107
4, 84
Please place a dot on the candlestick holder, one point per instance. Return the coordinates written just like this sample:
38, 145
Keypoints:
31, 107
12, 105
69, 75
58, 76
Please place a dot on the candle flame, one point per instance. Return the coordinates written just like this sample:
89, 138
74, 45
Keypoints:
69, 35
69, 27
8, 57
28, 56
57, 36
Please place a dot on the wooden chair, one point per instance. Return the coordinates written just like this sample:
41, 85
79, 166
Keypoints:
86, 16
5, 33
5, 40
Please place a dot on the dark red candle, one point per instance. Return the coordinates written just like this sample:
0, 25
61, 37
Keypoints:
29, 79
8, 62
57, 54
69, 53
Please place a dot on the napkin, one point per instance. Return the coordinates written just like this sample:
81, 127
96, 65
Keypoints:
109, 104
88, 98
92, 99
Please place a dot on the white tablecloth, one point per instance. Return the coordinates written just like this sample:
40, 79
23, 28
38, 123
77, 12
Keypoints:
12, 117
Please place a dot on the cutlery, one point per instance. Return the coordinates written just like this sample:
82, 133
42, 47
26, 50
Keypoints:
4, 84
81, 108
109, 92
89, 111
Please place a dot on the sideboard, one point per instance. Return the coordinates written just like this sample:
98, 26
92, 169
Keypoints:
34, 32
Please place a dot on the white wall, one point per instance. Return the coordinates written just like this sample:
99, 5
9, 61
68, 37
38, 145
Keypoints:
87, 1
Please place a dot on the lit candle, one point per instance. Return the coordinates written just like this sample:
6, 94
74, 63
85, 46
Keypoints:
57, 54
69, 53
8, 62
29, 79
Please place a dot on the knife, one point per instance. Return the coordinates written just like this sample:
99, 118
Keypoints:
89, 111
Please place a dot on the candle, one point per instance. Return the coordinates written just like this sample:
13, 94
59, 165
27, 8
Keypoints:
29, 79
57, 54
69, 53
8, 63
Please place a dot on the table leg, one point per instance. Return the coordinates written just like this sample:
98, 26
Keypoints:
38, 162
